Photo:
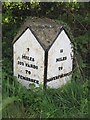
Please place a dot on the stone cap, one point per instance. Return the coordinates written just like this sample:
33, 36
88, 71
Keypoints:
45, 29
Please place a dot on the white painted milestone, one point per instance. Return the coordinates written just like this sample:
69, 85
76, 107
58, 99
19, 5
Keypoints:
60, 61
28, 60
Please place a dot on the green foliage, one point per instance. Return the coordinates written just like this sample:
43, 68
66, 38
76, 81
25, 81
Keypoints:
70, 101
66, 102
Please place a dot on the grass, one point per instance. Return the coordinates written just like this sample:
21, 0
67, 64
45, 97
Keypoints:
70, 101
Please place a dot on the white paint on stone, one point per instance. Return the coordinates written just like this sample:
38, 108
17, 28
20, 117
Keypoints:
27, 50
28, 45
63, 44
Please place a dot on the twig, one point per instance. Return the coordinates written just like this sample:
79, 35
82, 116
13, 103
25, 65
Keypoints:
79, 68
77, 20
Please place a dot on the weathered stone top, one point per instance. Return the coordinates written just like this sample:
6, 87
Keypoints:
45, 29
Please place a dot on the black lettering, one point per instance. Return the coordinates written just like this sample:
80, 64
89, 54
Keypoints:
20, 76
33, 59
28, 72
31, 80
61, 50
64, 58
61, 59
60, 68
28, 49
26, 65
28, 79
37, 81
28, 58
23, 57
31, 66
59, 76
20, 63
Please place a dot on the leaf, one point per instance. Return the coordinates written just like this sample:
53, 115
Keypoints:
6, 102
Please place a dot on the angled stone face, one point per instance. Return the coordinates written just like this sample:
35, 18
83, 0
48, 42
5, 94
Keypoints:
28, 59
44, 28
39, 58
59, 61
